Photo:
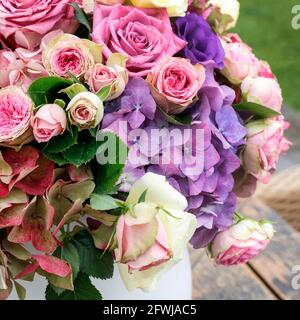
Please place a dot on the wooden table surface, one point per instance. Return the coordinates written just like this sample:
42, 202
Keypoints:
269, 276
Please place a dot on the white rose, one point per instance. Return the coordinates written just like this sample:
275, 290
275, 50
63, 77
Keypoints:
160, 225
225, 14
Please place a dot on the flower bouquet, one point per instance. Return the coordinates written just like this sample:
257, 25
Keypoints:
127, 130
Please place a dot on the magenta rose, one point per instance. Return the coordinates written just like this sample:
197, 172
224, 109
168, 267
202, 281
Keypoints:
15, 113
145, 36
265, 144
26, 22
175, 83
49, 121
241, 242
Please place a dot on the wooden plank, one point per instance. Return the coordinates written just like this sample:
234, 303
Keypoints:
225, 283
275, 264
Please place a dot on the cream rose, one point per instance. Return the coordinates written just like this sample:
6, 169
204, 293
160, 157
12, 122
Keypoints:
153, 234
85, 110
176, 8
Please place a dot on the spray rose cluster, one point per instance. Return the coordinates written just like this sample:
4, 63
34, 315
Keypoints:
125, 139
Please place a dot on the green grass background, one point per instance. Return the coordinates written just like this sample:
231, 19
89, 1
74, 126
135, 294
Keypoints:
266, 26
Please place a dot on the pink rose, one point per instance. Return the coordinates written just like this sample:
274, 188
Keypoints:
113, 74
15, 113
265, 144
67, 53
99, 77
175, 83
264, 91
25, 22
129, 233
145, 36
240, 61
49, 121
20, 67
265, 70
241, 242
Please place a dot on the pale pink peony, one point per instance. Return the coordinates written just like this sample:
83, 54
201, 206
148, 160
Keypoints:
24, 23
15, 114
264, 91
145, 36
20, 67
175, 83
265, 144
49, 121
241, 242
240, 61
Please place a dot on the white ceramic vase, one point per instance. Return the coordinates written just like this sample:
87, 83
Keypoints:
176, 284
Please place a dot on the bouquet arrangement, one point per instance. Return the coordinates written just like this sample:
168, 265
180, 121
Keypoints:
128, 129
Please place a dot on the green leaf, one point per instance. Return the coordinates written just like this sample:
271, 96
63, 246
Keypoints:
142, 197
21, 291
73, 90
73, 78
83, 290
56, 157
104, 93
62, 143
44, 90
103, 202
256, 109
181, 120
82, 152
92, 260
107, 175
81, 16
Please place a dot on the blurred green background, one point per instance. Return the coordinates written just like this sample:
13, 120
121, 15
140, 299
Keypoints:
266, 26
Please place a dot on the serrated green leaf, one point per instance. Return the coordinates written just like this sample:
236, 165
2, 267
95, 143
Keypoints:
103, 202
92, 260
81, 16
61, 143
56, 157
256, 109
82, 152
83, 290
44, 90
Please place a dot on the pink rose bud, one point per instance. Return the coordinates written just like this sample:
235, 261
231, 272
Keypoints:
15, 113
241, 242
49, 121
239, 61
175, 83
265, 70
264, 91
265, 144
114, 74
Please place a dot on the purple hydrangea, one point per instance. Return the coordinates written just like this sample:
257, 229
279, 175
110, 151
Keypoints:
208, 188
203, 44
